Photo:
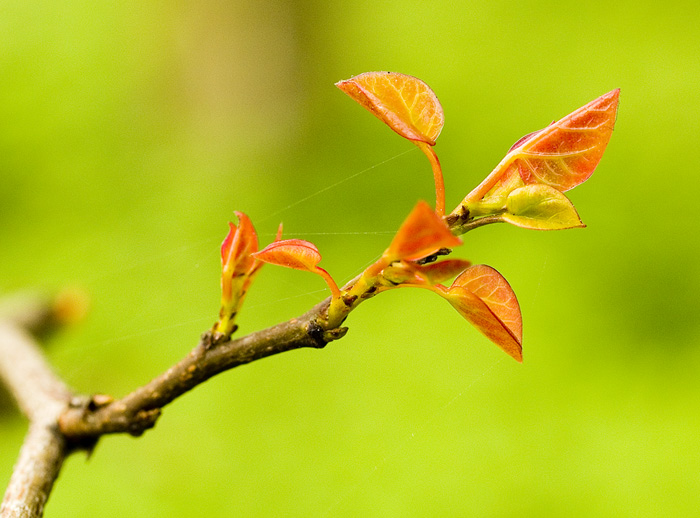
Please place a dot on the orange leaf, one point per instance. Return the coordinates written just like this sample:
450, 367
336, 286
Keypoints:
238, 267
240, 243
405, 103
299, 255
421, 234
486, 300
525, 138
565, 153
292, 253
228, 242
278, 236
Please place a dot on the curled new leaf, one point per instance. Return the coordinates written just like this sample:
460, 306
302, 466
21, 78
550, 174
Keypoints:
540, 207
562, 155
421, 234
486, 300
238, 268
298, 255
405, 103
240, 243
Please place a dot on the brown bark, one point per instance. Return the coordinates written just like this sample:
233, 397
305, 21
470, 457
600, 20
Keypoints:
139, 410
42, 397
61, 421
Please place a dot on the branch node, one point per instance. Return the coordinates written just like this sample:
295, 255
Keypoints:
434, 256
316, 332
458, 217
334, 334
98, 401
143, 420
211, 339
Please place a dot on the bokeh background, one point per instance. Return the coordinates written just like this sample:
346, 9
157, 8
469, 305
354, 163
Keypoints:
130, 133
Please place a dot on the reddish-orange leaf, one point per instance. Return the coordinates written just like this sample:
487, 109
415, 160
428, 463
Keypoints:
525, 138
228, 242
292, 253
565, 153
299, 255
485, 299
278, 236
405, 103
240, 243
421, 234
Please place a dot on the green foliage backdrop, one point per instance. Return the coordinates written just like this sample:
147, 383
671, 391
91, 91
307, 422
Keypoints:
130, 133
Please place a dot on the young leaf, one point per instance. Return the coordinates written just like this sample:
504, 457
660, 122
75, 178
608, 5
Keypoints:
278, 236
405, 103
482, 296
228, 242
238, 268
421, 234
240, 243
525, 138
540, 207
409, 107
298, 255
291, 253
565, 153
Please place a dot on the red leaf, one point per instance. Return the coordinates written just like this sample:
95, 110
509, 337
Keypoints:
525, 138
278, 236
421, 234
486, 300
228, 241
299, 255
240, 243
562, 155
566, 153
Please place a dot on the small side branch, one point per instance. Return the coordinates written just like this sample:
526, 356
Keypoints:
459, 229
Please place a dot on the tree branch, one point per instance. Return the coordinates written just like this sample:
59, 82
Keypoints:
42, 397
138, 411
60, 420
36, 470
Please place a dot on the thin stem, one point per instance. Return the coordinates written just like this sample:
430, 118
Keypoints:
335, 291
480, 222
437, 175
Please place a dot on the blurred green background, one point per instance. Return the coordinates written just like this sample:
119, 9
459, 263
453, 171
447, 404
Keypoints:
130, 133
